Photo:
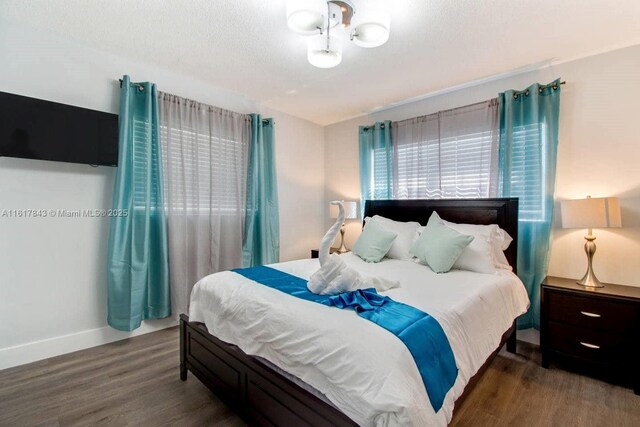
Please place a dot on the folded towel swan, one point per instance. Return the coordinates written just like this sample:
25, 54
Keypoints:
334, 276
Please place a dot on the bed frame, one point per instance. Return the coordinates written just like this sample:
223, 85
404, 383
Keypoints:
265, 397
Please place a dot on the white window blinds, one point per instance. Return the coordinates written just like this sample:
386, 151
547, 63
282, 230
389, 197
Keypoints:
145, 181
449, 154
212, 169
380, 183
205, 152
528, 171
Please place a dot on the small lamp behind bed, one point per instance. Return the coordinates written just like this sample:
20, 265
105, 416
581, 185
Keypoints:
350, 212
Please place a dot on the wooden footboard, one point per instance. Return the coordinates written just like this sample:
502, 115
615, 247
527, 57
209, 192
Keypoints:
256, 392
260, 395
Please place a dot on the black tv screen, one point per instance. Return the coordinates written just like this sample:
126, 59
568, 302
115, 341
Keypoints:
35, 129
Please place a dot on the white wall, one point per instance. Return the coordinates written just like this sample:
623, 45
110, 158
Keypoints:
53, 271
300, 163
598, 154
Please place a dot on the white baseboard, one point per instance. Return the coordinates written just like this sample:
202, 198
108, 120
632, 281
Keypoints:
529, 335
56, 346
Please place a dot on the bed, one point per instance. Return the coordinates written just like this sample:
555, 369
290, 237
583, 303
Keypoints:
275, 381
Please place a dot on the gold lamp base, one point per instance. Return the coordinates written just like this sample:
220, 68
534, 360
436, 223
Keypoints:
589, 280
343, 248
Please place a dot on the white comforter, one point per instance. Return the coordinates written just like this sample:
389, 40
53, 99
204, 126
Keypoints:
364, 370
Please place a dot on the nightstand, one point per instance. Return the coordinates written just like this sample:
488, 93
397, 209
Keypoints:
314, 252
597, 331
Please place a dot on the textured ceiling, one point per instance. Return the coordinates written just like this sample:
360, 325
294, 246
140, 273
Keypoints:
245, 46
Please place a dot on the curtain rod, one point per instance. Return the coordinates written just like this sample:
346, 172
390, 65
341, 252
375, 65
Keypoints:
540, 89
526, 92
139, 86
264, 121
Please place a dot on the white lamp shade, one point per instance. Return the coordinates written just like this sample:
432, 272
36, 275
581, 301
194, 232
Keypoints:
591, 213
322, 56
371, 28
350, 210
306, 16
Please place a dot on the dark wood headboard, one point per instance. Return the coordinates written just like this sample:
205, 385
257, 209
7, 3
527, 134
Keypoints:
503, 212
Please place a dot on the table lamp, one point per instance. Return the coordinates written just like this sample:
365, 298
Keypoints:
591, 213
350, 212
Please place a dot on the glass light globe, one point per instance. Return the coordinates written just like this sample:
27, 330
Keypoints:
306, 16
371, 29
322, 56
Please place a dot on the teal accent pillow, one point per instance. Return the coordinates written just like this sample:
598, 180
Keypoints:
374, 242
439, 246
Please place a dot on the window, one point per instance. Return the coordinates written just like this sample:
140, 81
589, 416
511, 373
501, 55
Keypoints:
528, 171
145, 182
381, 172
454, 167
456, 154
449, 154
210, 166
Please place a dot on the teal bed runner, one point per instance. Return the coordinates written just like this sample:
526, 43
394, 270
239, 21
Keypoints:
420, 332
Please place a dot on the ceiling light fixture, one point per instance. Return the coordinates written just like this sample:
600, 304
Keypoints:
321, 18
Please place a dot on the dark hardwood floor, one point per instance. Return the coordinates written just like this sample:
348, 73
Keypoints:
135, 383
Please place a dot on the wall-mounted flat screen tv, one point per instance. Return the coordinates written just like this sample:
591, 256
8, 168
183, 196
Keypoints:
35, 129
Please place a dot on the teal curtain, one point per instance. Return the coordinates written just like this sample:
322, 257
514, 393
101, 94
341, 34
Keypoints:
138, 268
376, 162
528, 151
261, 243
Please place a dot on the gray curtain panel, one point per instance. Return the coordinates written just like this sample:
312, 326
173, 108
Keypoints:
448, 154
205, 153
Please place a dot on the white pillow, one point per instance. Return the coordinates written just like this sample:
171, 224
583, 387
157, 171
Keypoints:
479, 255
486, 252
502, 237
407, 233
501, 241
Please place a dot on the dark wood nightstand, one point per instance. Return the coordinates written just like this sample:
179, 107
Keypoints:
314, 252
596, 331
